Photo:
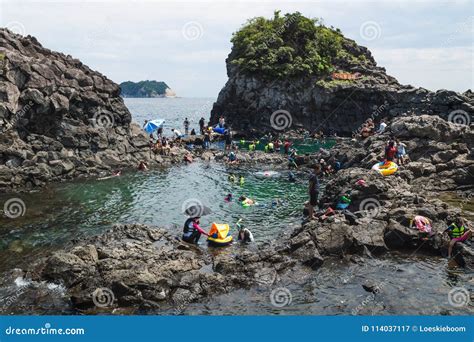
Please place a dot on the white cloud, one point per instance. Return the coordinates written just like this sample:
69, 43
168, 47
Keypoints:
422, 42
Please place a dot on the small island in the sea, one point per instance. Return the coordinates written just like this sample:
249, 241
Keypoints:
146, 89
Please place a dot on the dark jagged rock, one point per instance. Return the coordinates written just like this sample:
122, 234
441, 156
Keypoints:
323, 103
147, 267
59, 119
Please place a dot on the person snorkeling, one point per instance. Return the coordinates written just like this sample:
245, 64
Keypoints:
246, 201
231, 178
228, 198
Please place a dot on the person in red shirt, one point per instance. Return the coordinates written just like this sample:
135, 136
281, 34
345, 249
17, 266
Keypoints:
286, 146
390, 151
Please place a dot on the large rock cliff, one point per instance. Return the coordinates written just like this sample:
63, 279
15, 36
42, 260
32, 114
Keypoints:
58, 118
338, 99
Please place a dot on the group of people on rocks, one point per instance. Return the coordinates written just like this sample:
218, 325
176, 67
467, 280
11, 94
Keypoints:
368, 128
395, 151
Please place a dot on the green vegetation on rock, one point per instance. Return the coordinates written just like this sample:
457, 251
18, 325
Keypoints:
143, 89
290, 45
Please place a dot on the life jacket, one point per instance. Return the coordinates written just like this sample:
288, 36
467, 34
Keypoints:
251, 147
188, 227
457, 231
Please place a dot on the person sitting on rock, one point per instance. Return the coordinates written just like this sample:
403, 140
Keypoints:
371, 126
177, 134
458, 232
192, 231
382, 126
193, 132
390, 151
165, 146
364, 132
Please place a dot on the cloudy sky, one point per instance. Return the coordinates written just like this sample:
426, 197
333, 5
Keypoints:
427, 43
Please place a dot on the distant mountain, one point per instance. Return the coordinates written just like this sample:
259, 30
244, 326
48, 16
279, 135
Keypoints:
146, 89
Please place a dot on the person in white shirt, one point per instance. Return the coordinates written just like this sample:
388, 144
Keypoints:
382, 127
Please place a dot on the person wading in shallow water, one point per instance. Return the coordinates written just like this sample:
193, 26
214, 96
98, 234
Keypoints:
313, 190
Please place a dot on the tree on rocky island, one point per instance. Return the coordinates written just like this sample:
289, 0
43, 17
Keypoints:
292, 45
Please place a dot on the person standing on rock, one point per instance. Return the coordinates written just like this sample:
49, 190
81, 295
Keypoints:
186, 126
201, 125
313, 191
401, 152
192, 231
390, 151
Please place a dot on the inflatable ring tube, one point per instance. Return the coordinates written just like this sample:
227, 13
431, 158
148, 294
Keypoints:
219, 242
385, 169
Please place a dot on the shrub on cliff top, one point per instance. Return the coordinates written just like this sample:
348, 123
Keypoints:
286, 46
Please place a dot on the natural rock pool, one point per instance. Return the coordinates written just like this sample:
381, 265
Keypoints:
412, 282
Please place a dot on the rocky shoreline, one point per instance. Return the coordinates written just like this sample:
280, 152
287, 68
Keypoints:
147, 268
61, 120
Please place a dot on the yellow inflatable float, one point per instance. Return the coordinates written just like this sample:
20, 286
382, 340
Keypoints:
219, 235
385, 168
